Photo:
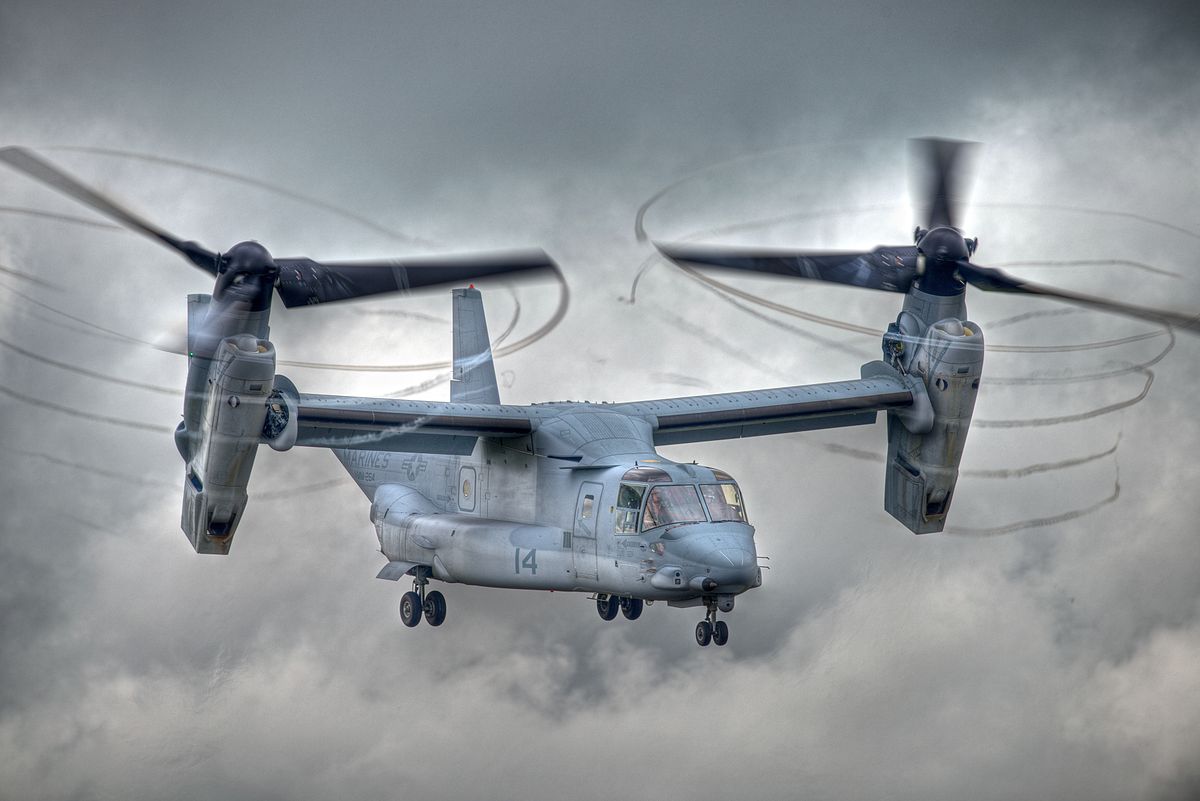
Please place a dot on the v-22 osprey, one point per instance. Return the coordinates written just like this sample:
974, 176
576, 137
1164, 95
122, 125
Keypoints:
569, 496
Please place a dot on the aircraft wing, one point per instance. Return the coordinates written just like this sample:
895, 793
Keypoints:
382, 424
414, 426
699, 418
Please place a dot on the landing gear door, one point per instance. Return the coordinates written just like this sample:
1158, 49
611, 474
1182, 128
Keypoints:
583, 538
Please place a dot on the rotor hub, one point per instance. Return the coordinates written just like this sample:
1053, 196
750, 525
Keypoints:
944, 244
248, 258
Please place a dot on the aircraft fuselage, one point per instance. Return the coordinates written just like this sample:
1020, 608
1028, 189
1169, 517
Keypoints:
641, 527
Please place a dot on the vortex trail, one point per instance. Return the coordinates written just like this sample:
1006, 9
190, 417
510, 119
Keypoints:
1042, 467
290, 194
37, 357
1072, 418
545, 329
1002, 473
1037, 522
29, 278
98, 418
1116, 371
269, 495
91, 470
792, 311
1139, 367
641, 236
1137, 265
540, 333
86, 222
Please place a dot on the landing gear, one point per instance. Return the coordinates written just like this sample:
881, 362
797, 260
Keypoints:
434, 608
607, 606
710, 629
410, 609
417, 604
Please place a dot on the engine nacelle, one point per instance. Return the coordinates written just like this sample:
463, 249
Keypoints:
240, 380
943, 364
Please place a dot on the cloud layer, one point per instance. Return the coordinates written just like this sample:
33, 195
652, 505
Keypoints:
1056, 661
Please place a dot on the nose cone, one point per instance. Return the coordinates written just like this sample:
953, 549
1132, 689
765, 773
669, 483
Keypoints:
732, 568
730, 557
721, 551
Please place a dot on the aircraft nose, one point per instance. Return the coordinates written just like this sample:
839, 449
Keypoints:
732, 567
730, 557
730, 560
723, 552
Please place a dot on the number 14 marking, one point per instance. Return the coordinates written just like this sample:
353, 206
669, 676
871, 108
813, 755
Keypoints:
529, 561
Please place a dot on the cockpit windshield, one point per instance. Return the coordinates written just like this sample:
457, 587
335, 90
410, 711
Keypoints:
674, 503
724, 502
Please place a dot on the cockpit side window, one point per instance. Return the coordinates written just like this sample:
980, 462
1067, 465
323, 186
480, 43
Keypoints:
630, 496
724, 502
676, 503
629, 506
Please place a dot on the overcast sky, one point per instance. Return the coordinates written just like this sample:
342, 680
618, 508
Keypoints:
1046, 648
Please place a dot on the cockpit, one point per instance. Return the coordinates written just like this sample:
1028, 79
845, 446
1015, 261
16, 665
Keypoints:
649, 498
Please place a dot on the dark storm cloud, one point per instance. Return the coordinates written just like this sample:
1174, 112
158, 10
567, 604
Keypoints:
1057, 662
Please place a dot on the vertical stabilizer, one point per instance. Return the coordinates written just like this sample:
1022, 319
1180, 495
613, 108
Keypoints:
474, 379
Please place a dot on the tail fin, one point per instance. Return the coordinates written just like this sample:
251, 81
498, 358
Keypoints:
474, 379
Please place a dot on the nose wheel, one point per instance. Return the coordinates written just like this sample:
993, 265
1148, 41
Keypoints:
710, 629
418, 603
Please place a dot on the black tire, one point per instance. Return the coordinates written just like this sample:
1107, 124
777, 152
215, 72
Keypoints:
607, 606
704, 632
410, 609
631, 608
435, 608
721, 633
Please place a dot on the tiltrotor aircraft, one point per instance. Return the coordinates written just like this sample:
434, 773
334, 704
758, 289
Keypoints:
570, 496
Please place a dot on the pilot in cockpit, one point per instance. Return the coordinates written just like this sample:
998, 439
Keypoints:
654, 512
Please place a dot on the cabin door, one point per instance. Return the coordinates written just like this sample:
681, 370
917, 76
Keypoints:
583, 538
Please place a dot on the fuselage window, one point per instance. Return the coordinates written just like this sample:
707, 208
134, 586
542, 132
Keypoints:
588, 502
629, 506
724, 502
677, 503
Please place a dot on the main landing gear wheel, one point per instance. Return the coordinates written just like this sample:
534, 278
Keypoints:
607, 606
631, 608
704, 632
434, 608
410, 609
720, 634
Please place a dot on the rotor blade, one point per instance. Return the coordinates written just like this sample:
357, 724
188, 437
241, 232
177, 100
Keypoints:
939, 177
993, 280
304, 282
37, 168
888, 268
